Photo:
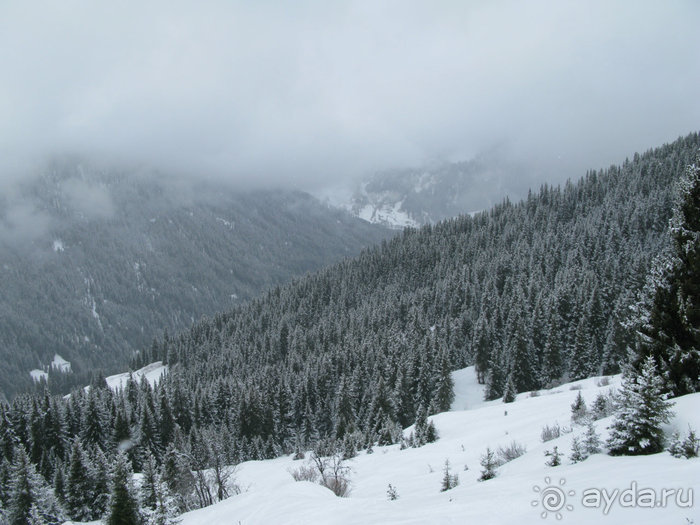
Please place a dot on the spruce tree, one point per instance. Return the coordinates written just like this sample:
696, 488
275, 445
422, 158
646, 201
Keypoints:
79, 493
29, 495
509, 392
554, 457
421, 427
643, 410
123, 505
444, 391
481, 349
578, 450
591, 439
551, 368
489, 464
449, 481
670, 328
579, 411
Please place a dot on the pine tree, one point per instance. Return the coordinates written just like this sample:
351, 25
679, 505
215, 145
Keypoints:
79, 493
509, 390
494, 377
101, 477
421, 427
149, 482
444, 391
643, 410
601, 407
123, 505
579, 411
580, 365
551, 369
178, 478
578, 450
554, 457
93, 422
520, 355
481, 347
431, 433
449, 481
29, 495
591, 440
159, 505
489, 464
670, 330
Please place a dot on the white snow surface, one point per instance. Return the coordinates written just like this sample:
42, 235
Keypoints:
152, 373
391, 215
60, 364
37, 375
271, 496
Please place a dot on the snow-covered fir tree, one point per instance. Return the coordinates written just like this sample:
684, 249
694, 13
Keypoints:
123, 503
670, 316
637, 428
29, 496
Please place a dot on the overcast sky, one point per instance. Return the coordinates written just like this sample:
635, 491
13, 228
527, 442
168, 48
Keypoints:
310, 92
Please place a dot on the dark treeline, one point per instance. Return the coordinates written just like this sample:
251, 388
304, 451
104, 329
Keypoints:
533, 294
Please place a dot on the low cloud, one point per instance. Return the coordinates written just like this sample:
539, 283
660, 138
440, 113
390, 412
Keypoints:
22, 223
88, 198
306, 94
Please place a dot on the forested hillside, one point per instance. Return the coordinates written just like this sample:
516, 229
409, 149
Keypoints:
533, 294
95, 264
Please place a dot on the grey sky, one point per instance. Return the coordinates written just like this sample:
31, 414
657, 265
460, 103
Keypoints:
304, 93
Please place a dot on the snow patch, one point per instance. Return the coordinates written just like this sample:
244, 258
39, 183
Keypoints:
38, 375
151, 373
58, 365
387, 215
61, 365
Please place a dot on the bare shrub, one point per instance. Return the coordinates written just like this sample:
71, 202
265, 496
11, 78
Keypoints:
549, 433
510, 452
334, 473
603, 381
304, 473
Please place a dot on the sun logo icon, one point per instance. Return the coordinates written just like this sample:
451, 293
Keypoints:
552, 498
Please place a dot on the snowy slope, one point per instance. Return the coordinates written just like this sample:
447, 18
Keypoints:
58, 364
271, 496
152, 373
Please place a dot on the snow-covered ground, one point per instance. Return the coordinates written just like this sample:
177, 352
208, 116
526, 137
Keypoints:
391, 215
58, 364
152, 373
38, 375
272, 497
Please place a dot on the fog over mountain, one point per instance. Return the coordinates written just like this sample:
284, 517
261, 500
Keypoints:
314, 93
96, 264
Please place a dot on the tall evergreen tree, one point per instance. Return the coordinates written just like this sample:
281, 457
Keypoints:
444, 391
29, 495
79, 496
670, 330
123, 504
643, 410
